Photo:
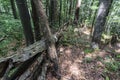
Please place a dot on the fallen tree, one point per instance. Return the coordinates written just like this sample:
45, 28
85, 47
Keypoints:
31, 62
18, 66
23, 60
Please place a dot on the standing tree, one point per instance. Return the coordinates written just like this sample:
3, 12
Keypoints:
50, 39
100, 20
36, 22
14, 9
25, 19
53, 15
76, 18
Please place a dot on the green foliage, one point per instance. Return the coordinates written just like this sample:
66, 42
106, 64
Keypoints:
112, 65
118, 56
113, 20
88, 60
13, 31
107, 78
5, 6
68, 36
88, 50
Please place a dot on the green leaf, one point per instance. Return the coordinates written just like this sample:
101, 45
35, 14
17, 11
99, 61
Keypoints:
107, 78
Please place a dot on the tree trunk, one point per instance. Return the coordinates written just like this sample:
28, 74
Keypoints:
35, 18
100, 20
25, 19
76, 18
50, 42
14, 9
53, 15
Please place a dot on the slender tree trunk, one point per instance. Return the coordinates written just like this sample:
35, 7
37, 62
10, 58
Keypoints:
35, 18
70, 7
100, 20
76, 18
25, 20
53, 15
60, 12
14, 9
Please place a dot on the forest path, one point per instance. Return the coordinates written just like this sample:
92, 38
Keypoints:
81, 63
75, 64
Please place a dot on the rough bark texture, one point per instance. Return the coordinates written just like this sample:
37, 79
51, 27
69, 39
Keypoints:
24, 59
30, 63
47, 32
14, 9
50, 42
35, 18
101, 19
25, 19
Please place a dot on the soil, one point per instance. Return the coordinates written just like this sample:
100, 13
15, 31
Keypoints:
75, 64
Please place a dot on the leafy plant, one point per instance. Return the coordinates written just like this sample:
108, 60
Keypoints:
88, 50
13, 31
112, 66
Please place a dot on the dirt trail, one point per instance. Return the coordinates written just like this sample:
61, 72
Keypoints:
75, 64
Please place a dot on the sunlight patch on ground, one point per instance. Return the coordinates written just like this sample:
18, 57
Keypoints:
96, 54
74, 69
76, 72
82, 30
68, 52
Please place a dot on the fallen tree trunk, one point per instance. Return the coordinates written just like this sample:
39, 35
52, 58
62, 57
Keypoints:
26, 53
30, 72
25, 56
50, 39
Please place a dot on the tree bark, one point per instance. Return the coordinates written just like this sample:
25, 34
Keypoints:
101, 19
50, 39
14, 9
35, 18
53, 15
24, 59
76, 18
25, 19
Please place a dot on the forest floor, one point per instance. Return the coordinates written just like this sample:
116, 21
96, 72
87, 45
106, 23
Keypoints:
75, 64
81, 63
78, 61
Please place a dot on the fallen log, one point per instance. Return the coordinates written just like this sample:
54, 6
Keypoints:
24, 57
3, 67
26, 53
28, 74
23, 67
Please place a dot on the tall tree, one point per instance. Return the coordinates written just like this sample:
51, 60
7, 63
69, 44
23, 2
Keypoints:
101, 19
25, 19
76, 18
14, 9
50, 39
53, 15
35, 18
